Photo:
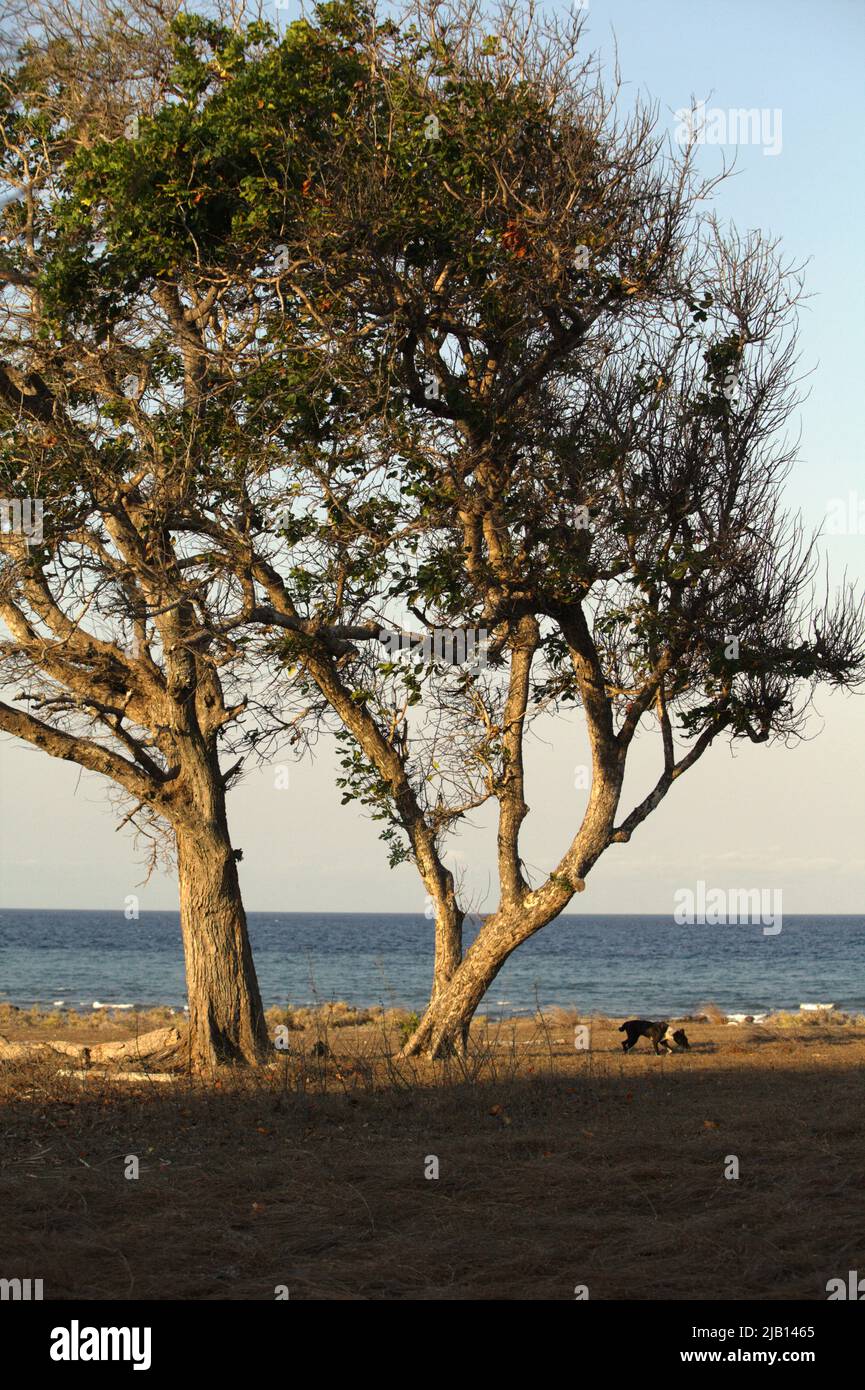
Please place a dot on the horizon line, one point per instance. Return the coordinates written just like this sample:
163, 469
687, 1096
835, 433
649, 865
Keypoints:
342, 912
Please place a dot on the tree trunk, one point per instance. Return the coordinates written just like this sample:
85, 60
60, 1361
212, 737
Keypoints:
444, 1027
448, 945
226, 1018
448, 958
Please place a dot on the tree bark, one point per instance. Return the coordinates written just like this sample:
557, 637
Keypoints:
444, 1028
448, 955
226, 1018
448, 940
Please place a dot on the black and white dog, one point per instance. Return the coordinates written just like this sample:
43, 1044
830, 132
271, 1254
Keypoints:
658, 1033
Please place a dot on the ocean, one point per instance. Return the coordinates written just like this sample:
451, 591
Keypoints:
615, 965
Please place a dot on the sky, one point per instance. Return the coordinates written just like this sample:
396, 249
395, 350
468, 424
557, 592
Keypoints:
776, 817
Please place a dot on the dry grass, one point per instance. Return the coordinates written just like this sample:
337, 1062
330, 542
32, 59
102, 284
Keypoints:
98, 1025
332, 1015
557, 1168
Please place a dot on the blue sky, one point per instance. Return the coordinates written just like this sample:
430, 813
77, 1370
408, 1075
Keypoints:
767, 817
807, 60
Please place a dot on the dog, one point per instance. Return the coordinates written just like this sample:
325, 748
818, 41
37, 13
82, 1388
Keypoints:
658, 1033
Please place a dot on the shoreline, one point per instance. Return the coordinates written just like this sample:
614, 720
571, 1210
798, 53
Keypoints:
624, 966
340, 1013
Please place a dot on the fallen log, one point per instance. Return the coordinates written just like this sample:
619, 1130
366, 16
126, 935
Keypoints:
160, 1045
18, 1051
120, 1075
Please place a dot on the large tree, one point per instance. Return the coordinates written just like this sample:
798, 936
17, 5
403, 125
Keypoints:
128, 392
557, 407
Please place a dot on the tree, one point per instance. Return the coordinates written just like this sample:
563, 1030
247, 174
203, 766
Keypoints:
149, 394
572, 386
113, 623
152, 388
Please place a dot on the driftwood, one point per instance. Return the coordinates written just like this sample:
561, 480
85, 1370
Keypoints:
120, 1075
162, 1045
16, 1051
